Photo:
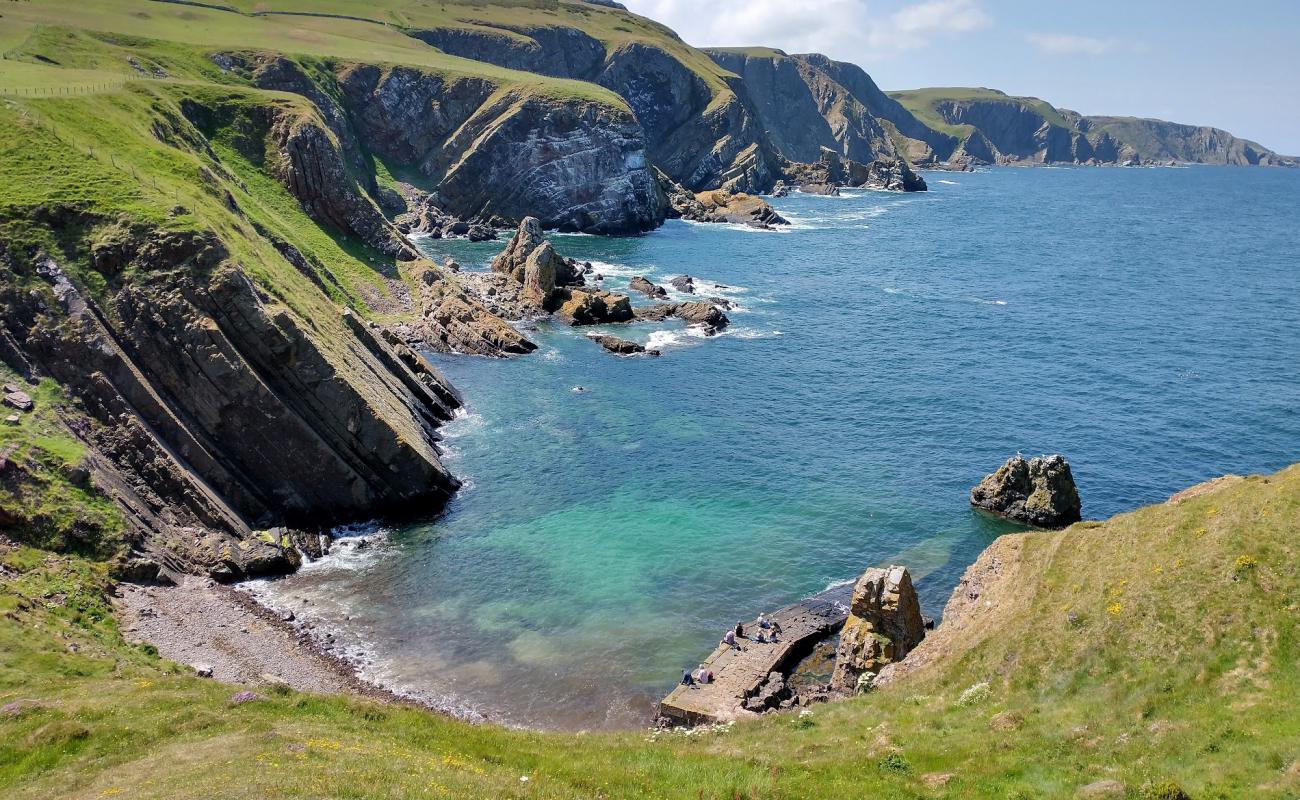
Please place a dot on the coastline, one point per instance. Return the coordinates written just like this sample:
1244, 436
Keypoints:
201, 623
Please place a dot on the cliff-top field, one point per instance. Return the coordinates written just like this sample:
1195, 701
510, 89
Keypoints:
1155, 650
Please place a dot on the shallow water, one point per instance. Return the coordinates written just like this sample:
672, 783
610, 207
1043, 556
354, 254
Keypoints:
891, 350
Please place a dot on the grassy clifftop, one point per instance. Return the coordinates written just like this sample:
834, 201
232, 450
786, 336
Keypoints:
365, 35
1155, 650
924, 105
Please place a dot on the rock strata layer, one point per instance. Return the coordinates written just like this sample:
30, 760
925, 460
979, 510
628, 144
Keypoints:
1039, 492
212, 411
884, 625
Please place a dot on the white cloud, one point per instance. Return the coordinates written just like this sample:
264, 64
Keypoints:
847, 29
941, 16
1065, 44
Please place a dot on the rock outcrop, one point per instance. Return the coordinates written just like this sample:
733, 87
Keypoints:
884, 625
831, 171
647, 288
540, 273
620, 347
213, 411
1039, 492
724, 207
593, 307
699, 312
531, 260
451, 321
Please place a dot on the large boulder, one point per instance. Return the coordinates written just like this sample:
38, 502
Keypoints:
738, 209
884, 625
646, 287
593, 307
1039, 492
719, 205
894, 175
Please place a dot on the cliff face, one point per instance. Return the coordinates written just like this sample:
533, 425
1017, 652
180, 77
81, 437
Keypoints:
809, 102
212, 409
700, 132
198, 311
486, 152
1151, 140
988, 126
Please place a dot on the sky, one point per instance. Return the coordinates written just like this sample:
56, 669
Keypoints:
1234, 66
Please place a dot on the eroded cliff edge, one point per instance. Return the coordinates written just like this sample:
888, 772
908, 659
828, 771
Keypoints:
213, 307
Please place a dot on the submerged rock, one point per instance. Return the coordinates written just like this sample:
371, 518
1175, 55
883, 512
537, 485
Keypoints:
1039, 492
884, 625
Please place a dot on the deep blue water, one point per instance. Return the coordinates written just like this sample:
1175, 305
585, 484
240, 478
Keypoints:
891, 351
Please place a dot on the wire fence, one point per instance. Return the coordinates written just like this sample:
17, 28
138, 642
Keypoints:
61, 91
109, 159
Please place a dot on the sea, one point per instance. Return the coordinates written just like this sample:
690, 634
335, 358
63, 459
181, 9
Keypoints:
886, 351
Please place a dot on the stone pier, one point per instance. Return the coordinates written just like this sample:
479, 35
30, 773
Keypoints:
739, 672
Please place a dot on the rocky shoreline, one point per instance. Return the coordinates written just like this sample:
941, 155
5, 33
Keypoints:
225, 633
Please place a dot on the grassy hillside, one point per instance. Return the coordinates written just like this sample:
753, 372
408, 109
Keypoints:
1156, 649
924, 103
200, 29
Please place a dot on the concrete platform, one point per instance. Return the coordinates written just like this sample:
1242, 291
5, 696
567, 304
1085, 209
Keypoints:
739, 672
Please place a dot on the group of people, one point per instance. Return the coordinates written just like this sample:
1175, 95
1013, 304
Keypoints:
769, 631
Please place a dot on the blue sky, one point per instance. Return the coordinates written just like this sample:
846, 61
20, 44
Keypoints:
1234, 66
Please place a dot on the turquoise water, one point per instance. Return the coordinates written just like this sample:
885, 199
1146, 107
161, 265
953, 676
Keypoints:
890, 351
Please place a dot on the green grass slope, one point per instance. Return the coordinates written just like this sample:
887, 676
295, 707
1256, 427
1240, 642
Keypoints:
924, 105
200, 28
1156, 650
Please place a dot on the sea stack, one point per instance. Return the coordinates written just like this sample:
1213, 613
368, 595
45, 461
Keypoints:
1038, 492
884, 625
